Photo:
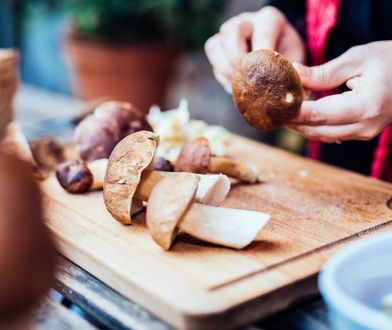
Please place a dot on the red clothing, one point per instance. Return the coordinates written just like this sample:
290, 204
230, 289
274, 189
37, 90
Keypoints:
321, 17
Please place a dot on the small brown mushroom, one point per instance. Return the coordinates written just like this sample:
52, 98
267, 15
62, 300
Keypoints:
196, 157
79, 176
267, 90
97, 134
127, 176
171, 207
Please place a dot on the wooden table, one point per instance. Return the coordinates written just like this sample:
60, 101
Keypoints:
104, 307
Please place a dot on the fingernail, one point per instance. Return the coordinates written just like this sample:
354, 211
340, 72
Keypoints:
303, 70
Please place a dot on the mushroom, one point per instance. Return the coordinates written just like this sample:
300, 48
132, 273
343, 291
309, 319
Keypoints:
97, 134
171, 208
267, 90
196, 157
128, 175
79, 176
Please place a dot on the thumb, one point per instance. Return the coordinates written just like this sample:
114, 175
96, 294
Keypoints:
329, 75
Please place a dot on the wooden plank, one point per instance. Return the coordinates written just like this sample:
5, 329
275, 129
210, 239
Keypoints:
115, 311
315, 210
51, 315
107, 306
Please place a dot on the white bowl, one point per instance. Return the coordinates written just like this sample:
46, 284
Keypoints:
354, 281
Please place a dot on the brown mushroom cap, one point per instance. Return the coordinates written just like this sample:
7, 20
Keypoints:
194, 157
166, 206
74, 176
98, 134
27, 254
267, 90
126, 164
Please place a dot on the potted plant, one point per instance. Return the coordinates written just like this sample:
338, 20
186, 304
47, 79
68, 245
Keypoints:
126, 49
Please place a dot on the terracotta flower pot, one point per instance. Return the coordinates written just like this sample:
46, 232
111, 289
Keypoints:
135, 73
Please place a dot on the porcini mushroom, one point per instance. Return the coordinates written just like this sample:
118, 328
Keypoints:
196, 157
171, 208
127, 176
97, 134
79, 176
267, 90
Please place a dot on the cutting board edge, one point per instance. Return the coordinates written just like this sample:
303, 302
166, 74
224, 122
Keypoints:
220, 317
248, 310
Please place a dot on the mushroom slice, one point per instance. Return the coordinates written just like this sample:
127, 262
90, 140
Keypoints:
165, 210
171, 208
126, 163
212, 189
196, 157
229, 227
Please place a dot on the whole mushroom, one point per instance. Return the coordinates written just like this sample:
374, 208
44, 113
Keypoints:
196, 157
79, 176
97, 134
267, 90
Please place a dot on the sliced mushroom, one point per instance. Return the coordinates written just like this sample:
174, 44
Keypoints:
171, 207
196, 157
128, 176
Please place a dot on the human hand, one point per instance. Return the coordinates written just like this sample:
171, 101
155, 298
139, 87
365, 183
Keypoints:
267, 28
358, 114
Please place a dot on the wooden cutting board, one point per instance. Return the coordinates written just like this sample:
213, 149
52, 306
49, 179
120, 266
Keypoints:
315, 210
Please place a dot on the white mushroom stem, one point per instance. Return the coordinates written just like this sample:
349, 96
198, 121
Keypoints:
234, 169
98, 169
212, 189
233, 228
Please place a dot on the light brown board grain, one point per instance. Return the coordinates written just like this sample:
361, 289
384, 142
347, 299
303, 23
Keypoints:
315, 210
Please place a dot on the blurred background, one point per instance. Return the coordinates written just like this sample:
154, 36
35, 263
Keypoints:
142, 51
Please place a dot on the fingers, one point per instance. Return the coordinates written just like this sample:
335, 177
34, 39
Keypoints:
234, 37
338, 109
226, 48
331, 74
268, 26
330, 134
222, 68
